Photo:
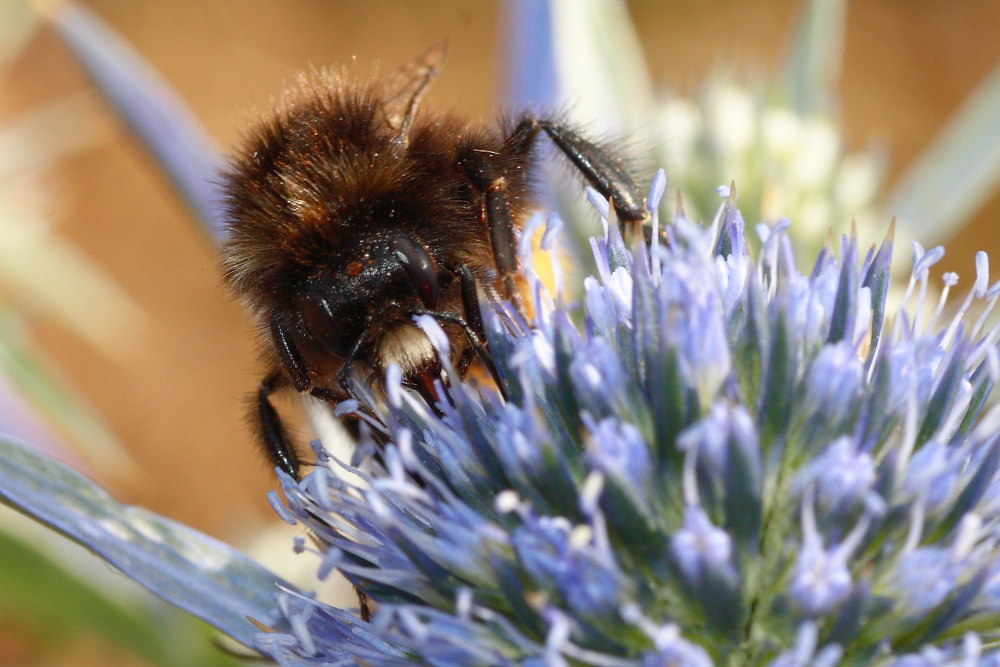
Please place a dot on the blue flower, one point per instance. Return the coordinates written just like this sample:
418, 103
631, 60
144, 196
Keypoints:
725, 459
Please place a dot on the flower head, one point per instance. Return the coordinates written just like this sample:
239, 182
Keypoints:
726, 458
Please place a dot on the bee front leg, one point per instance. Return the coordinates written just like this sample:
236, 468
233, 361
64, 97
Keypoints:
347, 367
292, 374
273, 434
471, 324
291, 358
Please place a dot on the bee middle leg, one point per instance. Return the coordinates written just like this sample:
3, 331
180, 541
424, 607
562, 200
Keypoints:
489, 171
486, 171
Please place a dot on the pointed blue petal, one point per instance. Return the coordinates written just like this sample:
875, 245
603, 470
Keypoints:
188, 569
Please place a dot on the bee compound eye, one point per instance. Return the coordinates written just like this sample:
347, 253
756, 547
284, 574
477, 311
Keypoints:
333, 329
419, 269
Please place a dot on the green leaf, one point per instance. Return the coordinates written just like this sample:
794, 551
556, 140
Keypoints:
56, 606
957, 174
812, 66
17, 26
41, 383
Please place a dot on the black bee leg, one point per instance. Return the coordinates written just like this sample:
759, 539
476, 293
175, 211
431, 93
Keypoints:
424, 385
344, 374
273, 434
599, 167
470, 301
474, 318
475, 342
364, 609
503, 239
487, 176
328, 395
292, 374
291, 358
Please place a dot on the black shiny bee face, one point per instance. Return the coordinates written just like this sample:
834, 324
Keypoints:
395, 279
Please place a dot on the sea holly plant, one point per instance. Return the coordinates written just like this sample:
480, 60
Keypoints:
714, 458
717, 456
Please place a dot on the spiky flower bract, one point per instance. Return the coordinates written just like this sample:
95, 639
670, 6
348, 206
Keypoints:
728, 462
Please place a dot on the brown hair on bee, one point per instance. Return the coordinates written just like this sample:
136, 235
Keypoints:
352, 210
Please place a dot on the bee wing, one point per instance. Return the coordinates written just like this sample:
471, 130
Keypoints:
406, 86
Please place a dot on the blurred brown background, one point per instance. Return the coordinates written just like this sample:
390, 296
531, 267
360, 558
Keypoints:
176, 396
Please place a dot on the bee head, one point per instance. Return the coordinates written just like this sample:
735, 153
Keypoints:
387, 279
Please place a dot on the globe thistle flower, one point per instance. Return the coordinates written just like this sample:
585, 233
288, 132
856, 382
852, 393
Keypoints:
726, 460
